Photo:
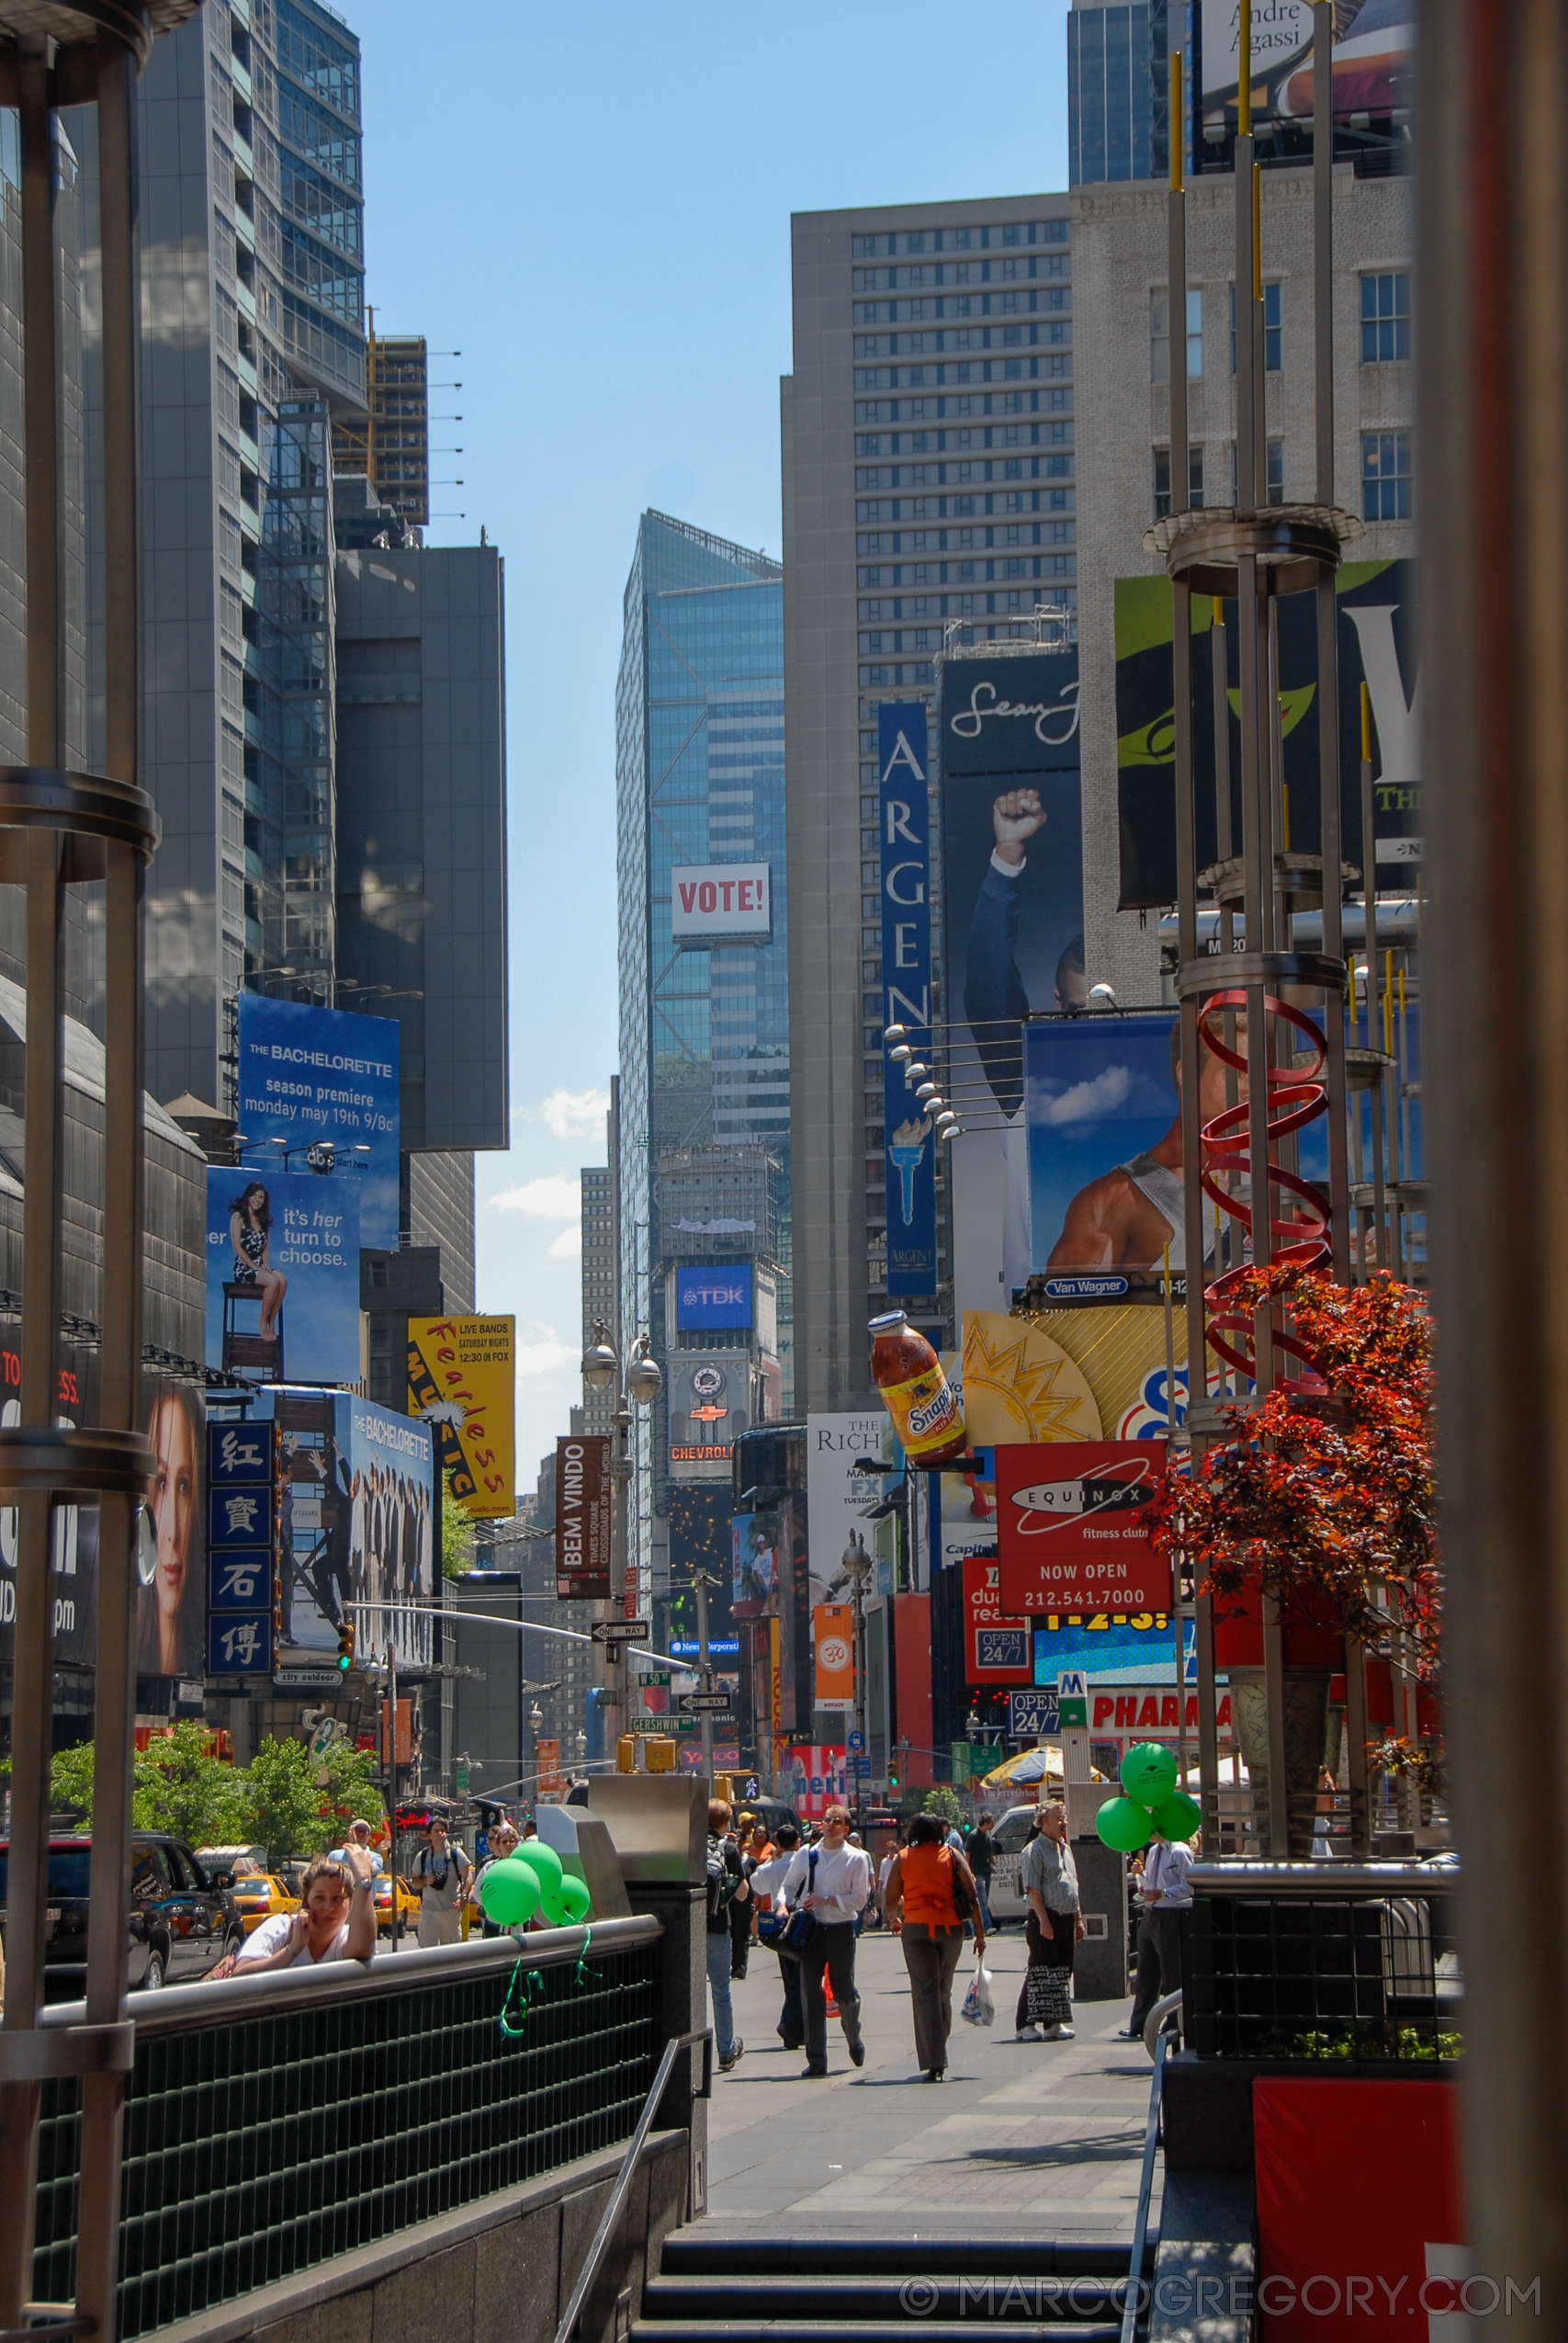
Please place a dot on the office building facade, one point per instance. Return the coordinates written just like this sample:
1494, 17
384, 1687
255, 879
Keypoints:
1119, 89
705, 1079
929, 482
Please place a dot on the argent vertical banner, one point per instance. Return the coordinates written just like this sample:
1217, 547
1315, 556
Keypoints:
904, 816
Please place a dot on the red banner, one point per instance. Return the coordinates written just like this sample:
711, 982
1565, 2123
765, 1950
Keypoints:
1072, 1526
997, 1644
585, 1517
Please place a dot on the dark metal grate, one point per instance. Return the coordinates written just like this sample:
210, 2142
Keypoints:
1319, 1978
260, 2148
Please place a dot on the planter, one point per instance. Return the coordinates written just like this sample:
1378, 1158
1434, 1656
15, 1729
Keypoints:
1306, 1738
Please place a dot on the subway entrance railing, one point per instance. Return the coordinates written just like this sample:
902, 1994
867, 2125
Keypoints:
274, 2123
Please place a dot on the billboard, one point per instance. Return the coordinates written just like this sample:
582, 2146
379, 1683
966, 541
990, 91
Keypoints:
1371, 62
1107, 1646
1377, 644
1072, 1527
707, 1410
1102, 1106
461, 1383
245, 1559
310, 1075
1012, 895
820, 1780
833, 1657
283, 1275
714, 1295
753, 1563
1072, 1374
909, 1131
356, 1526
708, 901
837, 1497
585, 1517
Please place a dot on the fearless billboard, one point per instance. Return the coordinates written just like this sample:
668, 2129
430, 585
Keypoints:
1073, 1529
708, 901
325, 1077
1377, 645
461, 1383
283, 1275
1012, 899
714, 1296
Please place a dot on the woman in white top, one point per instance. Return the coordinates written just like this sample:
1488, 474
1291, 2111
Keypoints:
337, 1919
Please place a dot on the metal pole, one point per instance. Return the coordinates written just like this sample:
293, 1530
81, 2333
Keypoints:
704, 1672
32, 1700
392, 1771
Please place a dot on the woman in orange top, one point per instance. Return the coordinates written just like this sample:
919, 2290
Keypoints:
930, 1893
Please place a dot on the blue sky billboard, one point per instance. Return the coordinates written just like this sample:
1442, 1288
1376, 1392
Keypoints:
307, 1076
287, 1245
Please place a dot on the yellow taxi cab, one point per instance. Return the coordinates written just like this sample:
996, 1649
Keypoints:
408, 1904
260, 1894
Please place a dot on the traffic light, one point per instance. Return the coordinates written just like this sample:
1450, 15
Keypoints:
345, 1647
893, 1770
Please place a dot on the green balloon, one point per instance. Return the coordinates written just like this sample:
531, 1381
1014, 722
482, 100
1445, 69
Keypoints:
509, 1892
574, 1899
543, 1861
1179, 1817
1124, 1825
1148, 1774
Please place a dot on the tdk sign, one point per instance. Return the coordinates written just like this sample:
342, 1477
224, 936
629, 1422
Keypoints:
711, 1296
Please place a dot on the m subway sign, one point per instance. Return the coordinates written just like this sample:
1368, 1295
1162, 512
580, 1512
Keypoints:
708, 901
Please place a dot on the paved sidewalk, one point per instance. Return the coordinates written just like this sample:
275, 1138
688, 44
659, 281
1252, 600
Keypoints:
1044, 2138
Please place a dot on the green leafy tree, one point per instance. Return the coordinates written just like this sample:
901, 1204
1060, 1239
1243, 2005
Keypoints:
181, 1787
296, 1804
944, 1802
70, 1780
456, 1535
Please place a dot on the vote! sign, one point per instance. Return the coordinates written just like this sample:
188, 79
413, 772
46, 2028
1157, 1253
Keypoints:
707, 900
1073, 1529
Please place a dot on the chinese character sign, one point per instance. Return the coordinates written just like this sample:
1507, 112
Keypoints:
309, 1076
243, 1557
283, 1274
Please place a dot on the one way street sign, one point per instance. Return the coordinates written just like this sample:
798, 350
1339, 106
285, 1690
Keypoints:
698, 1703
621, 1631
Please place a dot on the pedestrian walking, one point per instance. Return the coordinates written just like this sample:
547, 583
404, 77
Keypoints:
884, 1869
830, 1881
1053, 1925
982, 1856
742, 1914
439, 1877
767, 1881
726, 1885
503, 1842
1163, 1894
360, 1836
929, 1896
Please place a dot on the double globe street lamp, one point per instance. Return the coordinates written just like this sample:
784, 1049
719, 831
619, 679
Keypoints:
639, 1385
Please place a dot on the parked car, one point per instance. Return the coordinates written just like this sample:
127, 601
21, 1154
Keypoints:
181, 1921
1006, 1897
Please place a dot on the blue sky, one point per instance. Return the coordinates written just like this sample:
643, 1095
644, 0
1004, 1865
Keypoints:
591, 204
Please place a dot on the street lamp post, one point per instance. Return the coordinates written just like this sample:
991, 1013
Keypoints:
857, 1563
641, 1384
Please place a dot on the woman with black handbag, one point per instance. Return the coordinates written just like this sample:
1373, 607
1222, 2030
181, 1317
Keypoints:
1054, 1927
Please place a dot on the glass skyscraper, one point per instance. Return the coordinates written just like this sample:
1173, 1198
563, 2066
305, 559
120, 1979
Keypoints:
1118, 96
704, 1023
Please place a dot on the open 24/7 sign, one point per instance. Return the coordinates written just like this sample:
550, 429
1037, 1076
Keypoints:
1073, 1531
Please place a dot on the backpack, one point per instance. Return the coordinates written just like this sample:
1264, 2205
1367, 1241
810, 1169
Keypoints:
722, 1881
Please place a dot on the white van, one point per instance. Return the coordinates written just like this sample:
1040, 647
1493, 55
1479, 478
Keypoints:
1006, 1897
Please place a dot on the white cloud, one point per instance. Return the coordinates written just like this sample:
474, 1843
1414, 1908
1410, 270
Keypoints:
567, 1112
1086, 1100
567, 1243
540, 1354
554, 1197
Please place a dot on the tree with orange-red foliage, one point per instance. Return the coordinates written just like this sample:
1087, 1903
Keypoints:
1323, 1492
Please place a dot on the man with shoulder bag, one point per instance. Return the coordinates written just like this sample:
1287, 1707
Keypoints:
827, 1886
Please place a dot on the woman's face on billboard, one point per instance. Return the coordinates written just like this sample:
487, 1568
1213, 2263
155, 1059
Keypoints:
172, 1498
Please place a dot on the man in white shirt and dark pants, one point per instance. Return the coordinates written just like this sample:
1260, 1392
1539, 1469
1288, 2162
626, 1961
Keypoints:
831, 1881
1164, 1895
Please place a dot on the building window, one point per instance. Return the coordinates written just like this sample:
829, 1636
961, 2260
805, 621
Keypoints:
1162, 480
1273, 330
1385, 316
1385, 475
1159, 333
1274, 472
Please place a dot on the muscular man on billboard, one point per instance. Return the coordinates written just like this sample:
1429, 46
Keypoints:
1126, 1217
994, 999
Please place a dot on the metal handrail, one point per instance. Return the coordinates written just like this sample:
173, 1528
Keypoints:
1155, 2025
613, 2210
188, 2009
1251, 1876
1133, 2302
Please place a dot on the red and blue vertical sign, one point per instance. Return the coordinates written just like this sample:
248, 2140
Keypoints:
904, 811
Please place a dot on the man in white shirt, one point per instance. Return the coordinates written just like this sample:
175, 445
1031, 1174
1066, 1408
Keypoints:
1163, 1894
831, 1881
360, 1837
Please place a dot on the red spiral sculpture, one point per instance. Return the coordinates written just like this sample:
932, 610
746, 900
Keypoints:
1295, 1096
